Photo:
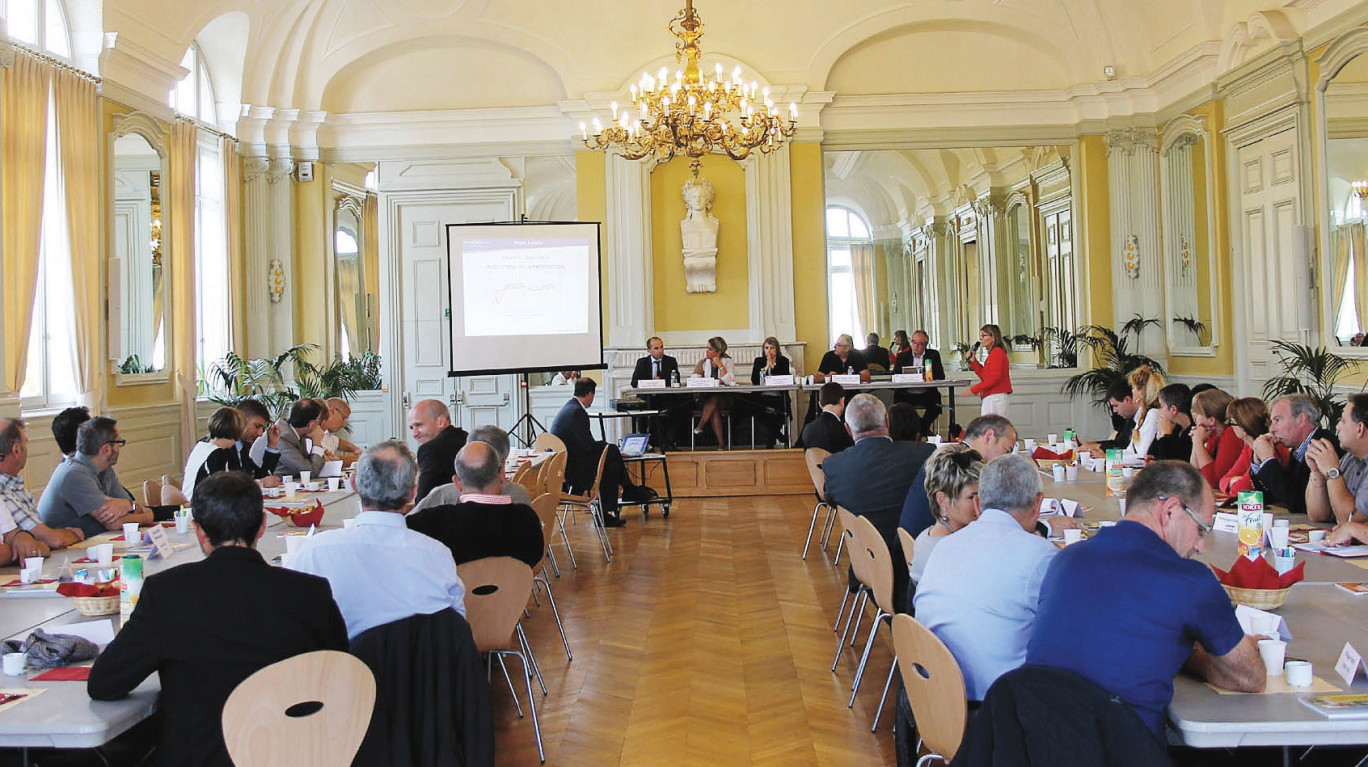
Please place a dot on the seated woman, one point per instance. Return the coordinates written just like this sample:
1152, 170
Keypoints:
771, 409
1248, 418
1145, 384
218, 452
1215, 447
901, 343
716, 363
952, 477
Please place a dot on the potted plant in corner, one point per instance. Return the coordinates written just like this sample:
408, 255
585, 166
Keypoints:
1113, 358
1310, 371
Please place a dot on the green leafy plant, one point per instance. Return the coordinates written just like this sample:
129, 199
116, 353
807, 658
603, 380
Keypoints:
1063, 347
1310, 371
1194, 326
964, 350
132, 365
235, 378
1113, 357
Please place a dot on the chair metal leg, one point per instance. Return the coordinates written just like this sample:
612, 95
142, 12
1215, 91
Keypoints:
836, 560
840, 643
812, 526
527, 650
840, 613
596, 521
827, 525
531, 701
566, 540
892, 669
864, 659
556, 613
551, 557
511, 689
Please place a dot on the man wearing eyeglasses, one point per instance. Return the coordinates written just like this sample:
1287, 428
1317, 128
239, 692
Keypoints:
84, 491
1124, 607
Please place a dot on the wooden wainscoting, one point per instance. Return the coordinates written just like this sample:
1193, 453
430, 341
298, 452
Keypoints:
735, 473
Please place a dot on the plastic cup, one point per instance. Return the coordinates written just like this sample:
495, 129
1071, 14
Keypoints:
1058, 471
305, 476
131, 536
182, 523
34, 563
1083, 455
102, 553
1030, 445
1072, 535
1284, 564
1127, 472
1268, 520
1278, 537
1299, 673
1284, 522
1273, 652
291, 488
1071, 472
334, 483
15, 663
1052, 438
29, 575
1316, 536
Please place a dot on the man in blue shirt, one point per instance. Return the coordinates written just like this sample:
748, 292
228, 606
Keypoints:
982, 582
1128, 608
991, 435
84, 491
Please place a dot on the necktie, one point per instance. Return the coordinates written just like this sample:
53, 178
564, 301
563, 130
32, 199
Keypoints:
655, 368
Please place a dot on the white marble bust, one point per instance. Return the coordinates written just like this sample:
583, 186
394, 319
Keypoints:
699, 233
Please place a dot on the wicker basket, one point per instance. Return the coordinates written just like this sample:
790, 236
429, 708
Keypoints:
97, 605
1261, 599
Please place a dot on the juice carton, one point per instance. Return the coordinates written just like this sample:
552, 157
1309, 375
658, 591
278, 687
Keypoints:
1115, 484
1251, 510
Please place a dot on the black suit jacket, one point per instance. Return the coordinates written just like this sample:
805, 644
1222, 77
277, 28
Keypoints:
932, 358
203, 627
827, 432
642, 371
1286, 485
437, 459
477, 530
876, 355
872, 477
269, 460
582, 450
781, 368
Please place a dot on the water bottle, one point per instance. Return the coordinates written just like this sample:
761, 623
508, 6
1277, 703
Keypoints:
850, 370
674, 378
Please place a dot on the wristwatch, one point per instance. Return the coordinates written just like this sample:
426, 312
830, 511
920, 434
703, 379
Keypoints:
1333, 474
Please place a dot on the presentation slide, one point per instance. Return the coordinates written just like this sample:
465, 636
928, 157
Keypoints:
524, 297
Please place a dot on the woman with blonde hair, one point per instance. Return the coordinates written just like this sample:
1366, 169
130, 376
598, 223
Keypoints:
716, 363
952, 478
995, 380
1145, 384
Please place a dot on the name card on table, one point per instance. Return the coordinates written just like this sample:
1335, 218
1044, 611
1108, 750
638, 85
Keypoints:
1049, 506
845, 380
1348, 664
701, 383
1226, 523
651, 383
779, 381
330, 469
161, 545
908, 378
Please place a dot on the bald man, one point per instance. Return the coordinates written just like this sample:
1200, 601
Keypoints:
438, 443
333, 424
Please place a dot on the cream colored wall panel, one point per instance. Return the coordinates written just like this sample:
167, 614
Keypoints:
468, 75
964, 61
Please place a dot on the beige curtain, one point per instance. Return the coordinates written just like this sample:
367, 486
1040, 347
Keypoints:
370, 264
77, 106
180, 194
232, 216
862, 267
1358, 250
24, 87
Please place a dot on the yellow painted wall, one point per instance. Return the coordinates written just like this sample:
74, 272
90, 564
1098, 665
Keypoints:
1092, 232
676, 310
312, 274
591, 200
809, 249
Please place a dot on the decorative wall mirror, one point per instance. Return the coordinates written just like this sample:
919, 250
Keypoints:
1187, 175
1017, 267
355, 271
1344, 151
138, 252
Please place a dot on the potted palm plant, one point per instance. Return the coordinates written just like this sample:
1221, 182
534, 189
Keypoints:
1114, 356
1310, 371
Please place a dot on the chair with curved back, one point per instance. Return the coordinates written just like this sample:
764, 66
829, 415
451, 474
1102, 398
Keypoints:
545, 506
312, 709
523, 477
553, 480
858, 565
591, 503
541, 483
814, 456
497, 590
847, 520
152, 492
548, 441
908, 544
878, 578
935, 688
908, 548
172, 496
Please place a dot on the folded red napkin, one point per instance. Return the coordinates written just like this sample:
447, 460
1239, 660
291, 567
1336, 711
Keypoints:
109, 589
1259, 574
17, 582
64, 674
1046, 454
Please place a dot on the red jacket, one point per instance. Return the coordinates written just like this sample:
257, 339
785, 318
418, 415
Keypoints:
993, 375
1225, 451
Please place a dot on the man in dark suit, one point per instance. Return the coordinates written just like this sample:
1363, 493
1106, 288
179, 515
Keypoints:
873, 353
203, 627
827, 431
871, 478
438, 443
1121, 400
1294, 423
657, 365
299, 446
583, 452
919, 356
485, 523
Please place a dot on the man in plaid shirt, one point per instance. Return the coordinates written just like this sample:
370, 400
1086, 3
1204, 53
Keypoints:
18, 510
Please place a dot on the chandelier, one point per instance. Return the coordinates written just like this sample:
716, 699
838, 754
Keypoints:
690, 114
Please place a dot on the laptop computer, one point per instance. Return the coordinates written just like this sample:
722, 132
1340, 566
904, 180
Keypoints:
634, 445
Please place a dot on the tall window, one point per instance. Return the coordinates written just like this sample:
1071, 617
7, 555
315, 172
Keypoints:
40, 24
213, 320
194, 95
845, 227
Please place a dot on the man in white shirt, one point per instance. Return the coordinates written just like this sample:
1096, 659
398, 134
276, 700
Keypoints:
982, 583
334, 421
381, 571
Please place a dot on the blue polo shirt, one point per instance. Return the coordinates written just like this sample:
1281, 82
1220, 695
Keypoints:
1124, 609
916, 511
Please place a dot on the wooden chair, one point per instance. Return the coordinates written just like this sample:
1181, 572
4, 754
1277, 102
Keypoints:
172, 496
548, 441
166, 481
553, 482
908, 548
861, 594
591, 503
312, 709
878, 577
521, 477
545, 506
908, 542
544, 472
935, 688
497, 589
814, 457
152, 492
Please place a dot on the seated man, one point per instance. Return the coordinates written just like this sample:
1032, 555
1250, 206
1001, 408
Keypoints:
657, 365
583, 453
28, 536
991, 435
1127, 608
380, 570
873, 354
1174, 442
1294, 424
84, 491
827, 431
450, 494
484, 523
203, 627
64, 426
257, 419
1121, 399
334, 421
871, 478
300, 440
918, 355
1336, 491
842, 359
981, 584
438, 443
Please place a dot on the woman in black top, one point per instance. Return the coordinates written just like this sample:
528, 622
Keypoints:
770, 409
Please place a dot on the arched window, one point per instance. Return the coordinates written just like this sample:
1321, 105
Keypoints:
41, 24
193, 96
849, 257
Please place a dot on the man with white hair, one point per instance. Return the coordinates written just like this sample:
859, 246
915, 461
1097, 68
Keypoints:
871, 478
982, 583
1294, 423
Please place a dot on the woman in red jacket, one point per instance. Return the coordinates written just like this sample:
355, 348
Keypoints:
995, 382
1215, 446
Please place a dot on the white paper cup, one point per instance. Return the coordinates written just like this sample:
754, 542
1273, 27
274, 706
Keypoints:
1299, 673
347, 523
288, 478
1069, 444
1071, 473
1122, 502
1052, 437
1316, 536
291, 488
1083, 455
34, 563
1072, 535
1267, 520
305, 476
1284, 564
15, 663
293, 542
29, 575
1030, 445
1273, 652
1127, 472
1278, 537
131, 536
102, 553
1284, 522
334, 483
1058, 471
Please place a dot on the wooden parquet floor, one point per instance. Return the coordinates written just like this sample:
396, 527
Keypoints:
706, 641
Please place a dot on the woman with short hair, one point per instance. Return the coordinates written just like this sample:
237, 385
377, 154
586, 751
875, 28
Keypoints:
952, 478
216, 452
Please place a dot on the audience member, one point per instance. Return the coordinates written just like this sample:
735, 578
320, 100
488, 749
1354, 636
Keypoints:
951, 481
919, 357
991, 436
203, 627
1175, 421
1248, 418
1336, 491
871, 478
873, 354
380, 570
1145, 384
1121, 400
1294, 423
484, 522
450, 493
438, 441
217, 452
27, 536
64, 426
1215, 446
905, 423
841, 360
300, 449
85, 491
583, 455
1125, 607
828, 431
981, 586
901, 343
257, 420
334, 422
